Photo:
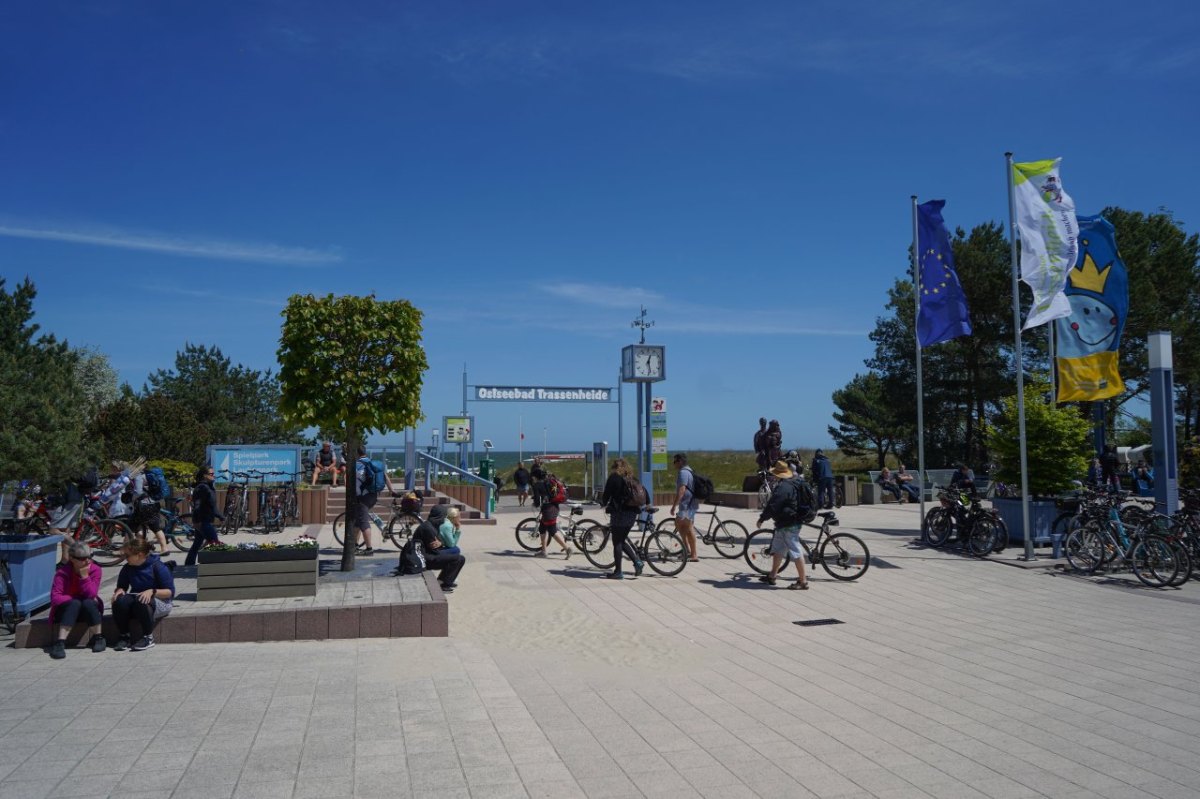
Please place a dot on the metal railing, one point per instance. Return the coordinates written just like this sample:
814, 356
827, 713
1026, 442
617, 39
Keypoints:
434, 464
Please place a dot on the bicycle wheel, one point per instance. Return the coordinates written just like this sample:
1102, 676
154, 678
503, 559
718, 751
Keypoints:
764, 494
665, 553
34, 525
1084, 549
338, 524
1064, 524
981, 537
594, 541
1185, 563
400, 529
8, 602
844, 556
839, 495
107, 548
181, 532
291, 507
758, 552
729, 538
938, 526
528, 537
1154, 562
666, 525
591, 536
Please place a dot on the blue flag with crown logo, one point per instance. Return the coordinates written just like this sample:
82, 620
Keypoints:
943, 306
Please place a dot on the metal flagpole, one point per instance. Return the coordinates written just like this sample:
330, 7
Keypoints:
1053, 366
916, 264
620, 416
1012, 238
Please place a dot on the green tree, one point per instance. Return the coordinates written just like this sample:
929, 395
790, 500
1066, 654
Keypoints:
354, 364
153, 425
236, 404
44, 408
1056, 439
866, 419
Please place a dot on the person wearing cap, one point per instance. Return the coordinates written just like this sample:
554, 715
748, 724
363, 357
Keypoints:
784, 509
822, 476
75, 594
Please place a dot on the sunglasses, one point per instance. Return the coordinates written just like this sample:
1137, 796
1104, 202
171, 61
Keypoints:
76, 557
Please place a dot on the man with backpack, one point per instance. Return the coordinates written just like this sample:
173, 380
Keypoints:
372, 478
791, 503
686, 504
822, 475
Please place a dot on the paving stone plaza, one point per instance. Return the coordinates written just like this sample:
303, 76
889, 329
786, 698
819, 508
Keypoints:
948, 677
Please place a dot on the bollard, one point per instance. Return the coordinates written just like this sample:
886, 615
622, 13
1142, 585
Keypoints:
1056, 541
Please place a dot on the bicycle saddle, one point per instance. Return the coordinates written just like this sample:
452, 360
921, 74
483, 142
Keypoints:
829, 516
650, 510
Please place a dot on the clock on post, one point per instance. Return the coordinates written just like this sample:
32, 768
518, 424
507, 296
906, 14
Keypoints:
643, 363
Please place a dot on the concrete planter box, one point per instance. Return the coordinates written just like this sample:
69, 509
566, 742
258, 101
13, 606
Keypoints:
256, 574
1041, 516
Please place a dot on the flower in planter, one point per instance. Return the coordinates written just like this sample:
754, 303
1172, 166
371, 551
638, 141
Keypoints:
305, 542
269, 545
248, 545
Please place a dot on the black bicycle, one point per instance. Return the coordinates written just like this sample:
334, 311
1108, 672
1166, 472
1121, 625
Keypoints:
9, 615
727, 536
843, 555
980, 530
661, 550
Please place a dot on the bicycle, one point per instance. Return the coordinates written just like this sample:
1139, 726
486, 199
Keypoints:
236, 510
727, 536
844, 556
980, 530
398, 529
579, 532
661, 550
1152, 558
177, 527
10, 616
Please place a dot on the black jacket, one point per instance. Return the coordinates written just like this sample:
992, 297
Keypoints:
781, 507
426, 531
204, 503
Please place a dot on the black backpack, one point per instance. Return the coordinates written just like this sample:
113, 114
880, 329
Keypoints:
635, 493
806, 502
412, 558
702, 487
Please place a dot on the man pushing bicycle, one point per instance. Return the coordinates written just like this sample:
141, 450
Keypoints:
790, 505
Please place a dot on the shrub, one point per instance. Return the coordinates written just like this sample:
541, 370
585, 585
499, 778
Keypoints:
1056, 443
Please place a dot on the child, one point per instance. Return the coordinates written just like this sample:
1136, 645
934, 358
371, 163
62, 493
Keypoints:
548, 518
144, 592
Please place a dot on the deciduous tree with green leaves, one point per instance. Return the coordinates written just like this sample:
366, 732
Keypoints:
1056, 445
354, 364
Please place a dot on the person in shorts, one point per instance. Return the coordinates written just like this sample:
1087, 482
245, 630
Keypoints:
328, 461
365, 499
783, 508
685, 505
521, 478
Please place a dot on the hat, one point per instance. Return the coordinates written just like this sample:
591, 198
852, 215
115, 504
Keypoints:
780, 469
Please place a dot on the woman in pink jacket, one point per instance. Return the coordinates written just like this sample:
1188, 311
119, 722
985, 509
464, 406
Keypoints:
75, 593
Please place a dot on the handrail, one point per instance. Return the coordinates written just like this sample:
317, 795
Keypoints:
450, 467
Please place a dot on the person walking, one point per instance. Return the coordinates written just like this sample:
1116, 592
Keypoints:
538, 474
786, 508
366, 497
521, 479
685, 505
204, 511
622, 505
75, 594
822, 475
548, 517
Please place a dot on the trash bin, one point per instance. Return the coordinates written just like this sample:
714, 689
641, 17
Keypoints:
849, 485
31, 562
487, 470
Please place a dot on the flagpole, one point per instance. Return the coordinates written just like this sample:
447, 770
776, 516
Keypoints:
520, 438
1053, 366
1012, 238
916, 265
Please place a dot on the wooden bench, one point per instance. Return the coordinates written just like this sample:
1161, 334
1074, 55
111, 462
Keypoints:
934, 479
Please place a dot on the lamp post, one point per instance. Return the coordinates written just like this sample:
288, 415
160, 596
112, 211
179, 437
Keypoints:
545, 433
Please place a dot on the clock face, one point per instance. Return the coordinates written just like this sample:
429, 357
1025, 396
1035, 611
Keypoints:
647, 362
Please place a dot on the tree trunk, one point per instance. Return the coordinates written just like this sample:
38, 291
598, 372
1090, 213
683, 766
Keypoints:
350, 531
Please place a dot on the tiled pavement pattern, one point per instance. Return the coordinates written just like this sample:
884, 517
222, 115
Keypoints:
949, 678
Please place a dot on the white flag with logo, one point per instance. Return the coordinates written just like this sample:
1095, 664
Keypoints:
1049, 237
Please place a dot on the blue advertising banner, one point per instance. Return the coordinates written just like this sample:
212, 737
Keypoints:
227, 459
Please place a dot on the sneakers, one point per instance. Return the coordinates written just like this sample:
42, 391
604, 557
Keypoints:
144, 643
58, 650
615, 575
449, 589
122, 644
366, 551
637, 568
97, 643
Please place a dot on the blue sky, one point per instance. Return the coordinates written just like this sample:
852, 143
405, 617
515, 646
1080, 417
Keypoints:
529, 173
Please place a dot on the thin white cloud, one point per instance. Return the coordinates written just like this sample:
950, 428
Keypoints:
603, 296
206, 294
188, 247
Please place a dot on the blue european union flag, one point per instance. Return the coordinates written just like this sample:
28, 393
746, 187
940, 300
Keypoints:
943, 309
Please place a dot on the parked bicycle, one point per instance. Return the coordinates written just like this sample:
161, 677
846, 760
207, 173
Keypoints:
727, 536
1154, 551
10, 616
661, 549
960, 515
237, 508
844, 556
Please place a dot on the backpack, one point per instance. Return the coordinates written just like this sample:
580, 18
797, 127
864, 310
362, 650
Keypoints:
374, 476
412, 558
702, 487
556, 492
805, 502
635, 496
157, 486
